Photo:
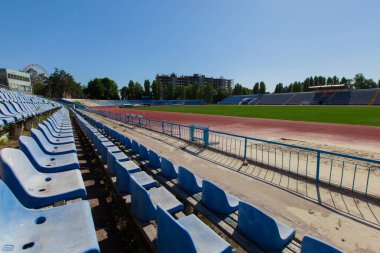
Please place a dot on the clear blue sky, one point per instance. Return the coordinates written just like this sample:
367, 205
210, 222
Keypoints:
247, 40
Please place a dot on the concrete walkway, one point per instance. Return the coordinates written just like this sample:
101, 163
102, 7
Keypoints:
348, 223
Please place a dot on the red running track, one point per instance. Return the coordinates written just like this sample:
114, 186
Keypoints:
346, 136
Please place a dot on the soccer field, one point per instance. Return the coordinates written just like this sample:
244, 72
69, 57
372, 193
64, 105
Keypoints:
354, 115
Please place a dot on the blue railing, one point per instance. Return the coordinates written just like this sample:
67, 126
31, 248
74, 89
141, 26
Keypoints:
353, 173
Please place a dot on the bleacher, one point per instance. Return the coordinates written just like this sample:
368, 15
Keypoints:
18, 107
237, 99
156, 189
301, 98
361, 97
338, 98
42, 193
331, 97
275, 99
377, 100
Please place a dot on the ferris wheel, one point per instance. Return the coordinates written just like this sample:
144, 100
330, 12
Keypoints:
38, 74
35, 68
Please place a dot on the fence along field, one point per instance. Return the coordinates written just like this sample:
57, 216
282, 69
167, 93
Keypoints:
356, 174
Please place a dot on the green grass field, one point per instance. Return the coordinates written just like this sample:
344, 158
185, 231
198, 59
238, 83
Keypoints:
354, 115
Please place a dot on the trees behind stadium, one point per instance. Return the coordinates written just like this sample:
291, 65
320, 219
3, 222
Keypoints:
358, 82
62, 84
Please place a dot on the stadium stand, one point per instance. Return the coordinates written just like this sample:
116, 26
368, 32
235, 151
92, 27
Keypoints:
361, 97
18, 107
186, 233
237, 99
31, 180
301, 98
275, 99
331, 97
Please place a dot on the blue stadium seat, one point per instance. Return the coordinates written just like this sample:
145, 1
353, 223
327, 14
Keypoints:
144, 153
262, 229
46, 130
6, 119
144, 202
189, 182
56, 126
112, 157
58, 132
187, 235
52, 149
154, 160
12, 110
313, 245
63, 229
127, 169
135, 147
5, 113
52, 139
15, 108
34, 189
44, 162
168, 169
103, 148
126, 142
217, 200
60, 122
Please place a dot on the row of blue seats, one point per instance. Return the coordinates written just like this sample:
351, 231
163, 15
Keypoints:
150, 202
343, 97
17, 96
43, 172
15, 106
259, 227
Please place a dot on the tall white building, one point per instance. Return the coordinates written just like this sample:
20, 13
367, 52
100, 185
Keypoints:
16, 80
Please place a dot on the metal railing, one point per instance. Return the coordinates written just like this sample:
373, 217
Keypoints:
353, 173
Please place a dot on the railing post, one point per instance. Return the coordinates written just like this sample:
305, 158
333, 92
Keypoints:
179, 131
318, 167
245, 162
206, 136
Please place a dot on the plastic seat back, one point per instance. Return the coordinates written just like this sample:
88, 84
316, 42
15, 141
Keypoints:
167, 169
154, 159
261, 228
135, 147
172, 236
31, 149
214, 198
142, 205
38, 135
16, 168
313, 245
8, 204
187, 181
126, 142
144, 153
